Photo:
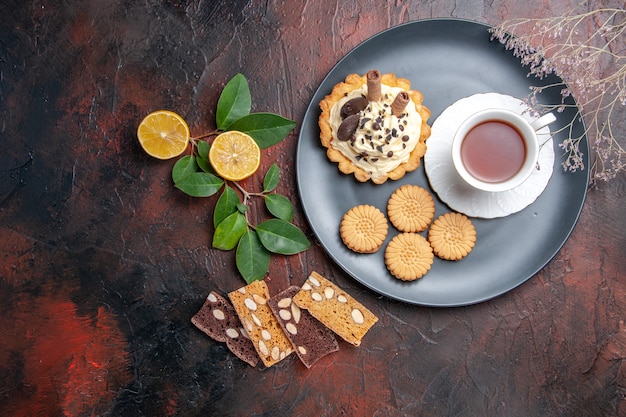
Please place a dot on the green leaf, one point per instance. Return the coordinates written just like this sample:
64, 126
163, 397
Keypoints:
202, 157
253, 260
204, 165
199, 184
183, 167
229, 231
203, 149
279, 206
242, 208
270, 181
225, 206
266, 129
282, 237
234, 103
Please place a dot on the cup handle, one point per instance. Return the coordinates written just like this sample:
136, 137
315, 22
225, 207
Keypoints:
543, 121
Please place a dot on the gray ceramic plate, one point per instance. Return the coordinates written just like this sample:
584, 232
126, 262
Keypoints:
446, 60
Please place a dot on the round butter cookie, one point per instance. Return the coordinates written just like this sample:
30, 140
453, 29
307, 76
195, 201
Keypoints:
452, 236
408, 256
363, 229
411, 208
374, 126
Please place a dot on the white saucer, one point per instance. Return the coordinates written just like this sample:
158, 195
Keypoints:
449, 186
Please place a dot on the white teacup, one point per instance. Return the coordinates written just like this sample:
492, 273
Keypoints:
497, 149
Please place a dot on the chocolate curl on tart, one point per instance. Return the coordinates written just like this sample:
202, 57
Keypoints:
374, 85
399, 103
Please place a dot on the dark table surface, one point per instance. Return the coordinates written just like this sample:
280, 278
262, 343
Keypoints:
103, 262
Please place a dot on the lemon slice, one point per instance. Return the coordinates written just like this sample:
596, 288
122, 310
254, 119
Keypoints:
163, 134
234, 155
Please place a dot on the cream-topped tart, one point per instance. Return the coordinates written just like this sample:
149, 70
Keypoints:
374, 126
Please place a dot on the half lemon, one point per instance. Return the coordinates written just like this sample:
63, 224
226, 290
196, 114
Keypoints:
163, 134
234, 155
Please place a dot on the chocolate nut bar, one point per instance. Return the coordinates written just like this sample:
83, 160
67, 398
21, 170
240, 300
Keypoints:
311, 340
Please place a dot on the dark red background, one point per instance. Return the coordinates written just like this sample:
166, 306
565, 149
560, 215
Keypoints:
103, 262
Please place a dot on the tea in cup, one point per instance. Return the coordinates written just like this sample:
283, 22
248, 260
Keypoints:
497, 149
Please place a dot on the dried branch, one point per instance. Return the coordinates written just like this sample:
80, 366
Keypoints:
588, 52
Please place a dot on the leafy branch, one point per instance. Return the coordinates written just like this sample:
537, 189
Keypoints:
233, 229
